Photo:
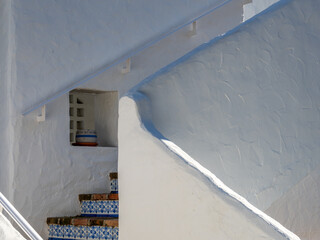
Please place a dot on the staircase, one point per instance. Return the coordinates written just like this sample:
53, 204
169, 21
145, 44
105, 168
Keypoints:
98, 219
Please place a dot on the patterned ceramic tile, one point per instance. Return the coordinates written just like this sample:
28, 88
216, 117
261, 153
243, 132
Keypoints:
106, 233
114, 208
114, 185
60, 231
88, 208
103, 208
115, 233
81, 232
69, 232
53, 228
94, 233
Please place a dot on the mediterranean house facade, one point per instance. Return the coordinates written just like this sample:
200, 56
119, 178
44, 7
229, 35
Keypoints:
209, 116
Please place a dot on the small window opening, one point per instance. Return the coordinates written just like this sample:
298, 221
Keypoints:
93, 117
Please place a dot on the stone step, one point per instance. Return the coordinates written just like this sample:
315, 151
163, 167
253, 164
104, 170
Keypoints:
113, 175
90, 228
99, 196
84, 221
99, 208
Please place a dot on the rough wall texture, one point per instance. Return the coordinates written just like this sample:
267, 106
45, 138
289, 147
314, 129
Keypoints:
5, 74
247, 107
162, 197
67, 40
7, 231
49, 173
299, 208
55, 42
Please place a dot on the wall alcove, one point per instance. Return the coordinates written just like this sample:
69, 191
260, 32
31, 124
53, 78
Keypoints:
95, 110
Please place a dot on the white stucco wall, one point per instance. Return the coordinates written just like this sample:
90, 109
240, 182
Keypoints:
7, 231
254, 7
44, 172
69, 40
49, 172
163, 196
246, 107
299, 208
54, 43
5, 73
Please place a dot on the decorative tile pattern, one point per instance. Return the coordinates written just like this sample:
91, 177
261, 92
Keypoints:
103, 208
53, 229
56, 232
81, 232
114, 208
69, 232
94, 233
88, 208
106, 233
114, 185
115, 233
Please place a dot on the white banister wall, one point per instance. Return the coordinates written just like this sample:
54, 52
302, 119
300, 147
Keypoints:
18, 218
163, 197
7, 231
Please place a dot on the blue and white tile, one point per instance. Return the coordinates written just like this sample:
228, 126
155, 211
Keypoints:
106, 233
94, 233
114, 185
57, 232
88, 208
53, 230
114, 207
103, 208
115, 233
69, 232
81, 232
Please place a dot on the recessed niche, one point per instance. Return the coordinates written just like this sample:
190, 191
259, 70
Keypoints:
80, 112
94, 110
80, 125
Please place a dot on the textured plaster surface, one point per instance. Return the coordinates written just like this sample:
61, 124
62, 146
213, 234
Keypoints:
299, 208
172, 193
5, 74
53, 43
7, 231
253, 7
247, 107
50, 173
67, 40
44, 173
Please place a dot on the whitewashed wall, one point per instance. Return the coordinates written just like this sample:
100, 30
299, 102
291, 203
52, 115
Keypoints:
5, 69
298, 209
7, 231
55, 44
247, 107
62, 41
162, 196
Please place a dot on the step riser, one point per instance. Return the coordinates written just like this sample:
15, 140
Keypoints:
108, 208
101, 215
114, 185
70, 232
